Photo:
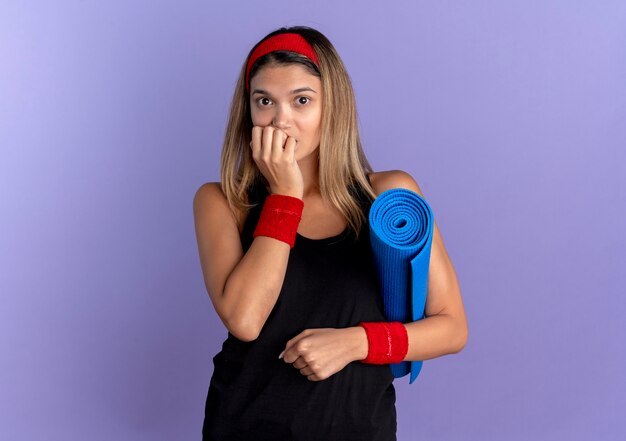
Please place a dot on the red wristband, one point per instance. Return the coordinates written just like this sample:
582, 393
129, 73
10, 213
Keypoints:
388, 342
279, 218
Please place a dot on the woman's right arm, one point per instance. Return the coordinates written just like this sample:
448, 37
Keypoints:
243, 287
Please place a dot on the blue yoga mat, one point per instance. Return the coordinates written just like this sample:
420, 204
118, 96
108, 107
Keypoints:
401, 233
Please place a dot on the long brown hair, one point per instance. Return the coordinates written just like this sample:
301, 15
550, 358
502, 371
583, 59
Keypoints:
342, 162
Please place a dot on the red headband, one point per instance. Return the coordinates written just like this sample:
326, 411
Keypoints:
281, 42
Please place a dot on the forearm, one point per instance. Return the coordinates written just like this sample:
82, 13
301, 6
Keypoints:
252, 289
429, 338
321, 352
435, 336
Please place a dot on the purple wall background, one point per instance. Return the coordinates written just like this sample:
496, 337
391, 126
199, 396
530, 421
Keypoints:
510, 115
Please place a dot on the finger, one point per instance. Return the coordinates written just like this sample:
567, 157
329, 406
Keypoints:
299, 363
266, 142
256, 140
285, 354
290, 347
306, 371
294, 351
299, 337
290, 355
290, 148
277, 143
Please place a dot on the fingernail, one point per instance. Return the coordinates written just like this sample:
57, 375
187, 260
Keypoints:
281, 354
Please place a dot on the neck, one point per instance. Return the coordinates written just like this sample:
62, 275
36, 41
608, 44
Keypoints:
309, 167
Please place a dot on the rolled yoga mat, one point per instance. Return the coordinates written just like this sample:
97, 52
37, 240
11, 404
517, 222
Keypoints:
401, 233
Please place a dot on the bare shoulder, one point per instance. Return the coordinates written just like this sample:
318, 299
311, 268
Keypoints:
209, 194
208, 190
209, 198
386, 180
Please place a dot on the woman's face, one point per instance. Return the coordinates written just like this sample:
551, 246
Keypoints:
288, 98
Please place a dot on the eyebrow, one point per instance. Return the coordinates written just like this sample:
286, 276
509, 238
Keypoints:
293, 92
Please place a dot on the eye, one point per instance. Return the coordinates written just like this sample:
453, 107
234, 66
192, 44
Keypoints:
301, 98
259, 100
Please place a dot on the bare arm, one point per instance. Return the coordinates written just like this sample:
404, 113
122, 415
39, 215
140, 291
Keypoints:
444, 329
243, 287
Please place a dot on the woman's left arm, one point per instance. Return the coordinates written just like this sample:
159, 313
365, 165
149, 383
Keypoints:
442, 331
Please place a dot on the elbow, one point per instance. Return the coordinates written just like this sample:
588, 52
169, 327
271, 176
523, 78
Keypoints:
238, 319
244, 334
461, 339
242, 328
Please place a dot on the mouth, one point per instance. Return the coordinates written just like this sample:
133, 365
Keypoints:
285, 144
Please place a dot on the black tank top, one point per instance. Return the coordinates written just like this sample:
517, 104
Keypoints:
254, 395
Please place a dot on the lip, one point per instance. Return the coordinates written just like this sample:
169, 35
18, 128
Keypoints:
285, 143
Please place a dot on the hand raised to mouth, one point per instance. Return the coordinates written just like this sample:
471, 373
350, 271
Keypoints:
273, 152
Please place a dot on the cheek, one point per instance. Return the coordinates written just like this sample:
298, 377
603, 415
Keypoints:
259, 118
312, 123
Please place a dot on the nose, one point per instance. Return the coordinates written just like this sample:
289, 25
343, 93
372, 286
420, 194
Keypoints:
282, 118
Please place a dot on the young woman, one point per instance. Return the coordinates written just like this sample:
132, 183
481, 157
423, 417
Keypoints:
285, 254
